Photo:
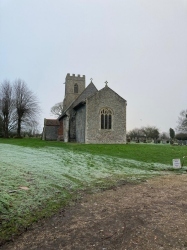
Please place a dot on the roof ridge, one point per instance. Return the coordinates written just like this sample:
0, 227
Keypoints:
78, 97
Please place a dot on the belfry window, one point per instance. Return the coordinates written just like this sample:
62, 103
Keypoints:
106, 118
76, 88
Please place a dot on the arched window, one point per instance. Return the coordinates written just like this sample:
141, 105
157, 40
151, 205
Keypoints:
76, 88
106, 118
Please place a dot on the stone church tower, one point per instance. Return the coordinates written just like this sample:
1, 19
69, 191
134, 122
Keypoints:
74, 86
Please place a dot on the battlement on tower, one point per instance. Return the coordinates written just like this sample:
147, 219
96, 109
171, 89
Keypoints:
73, 76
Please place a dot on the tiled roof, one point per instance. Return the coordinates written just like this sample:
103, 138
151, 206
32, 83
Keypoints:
88, 91
52, 122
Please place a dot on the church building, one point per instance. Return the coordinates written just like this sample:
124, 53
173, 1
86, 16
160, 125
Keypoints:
89, 115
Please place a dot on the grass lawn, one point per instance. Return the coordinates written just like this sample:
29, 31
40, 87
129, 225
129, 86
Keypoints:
39, 177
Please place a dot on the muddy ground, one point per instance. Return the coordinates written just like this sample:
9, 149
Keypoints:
145, 216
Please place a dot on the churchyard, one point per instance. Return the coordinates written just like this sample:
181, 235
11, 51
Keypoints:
39, 177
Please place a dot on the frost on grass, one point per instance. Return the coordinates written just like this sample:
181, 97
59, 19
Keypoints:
50, 171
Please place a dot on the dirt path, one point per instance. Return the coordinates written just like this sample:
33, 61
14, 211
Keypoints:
150, 215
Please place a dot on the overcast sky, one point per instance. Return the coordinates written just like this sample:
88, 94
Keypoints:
138, 46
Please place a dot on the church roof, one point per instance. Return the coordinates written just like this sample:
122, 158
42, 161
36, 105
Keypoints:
88, 91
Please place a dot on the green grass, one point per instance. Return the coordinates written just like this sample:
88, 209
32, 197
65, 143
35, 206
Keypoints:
55, 173
140, 152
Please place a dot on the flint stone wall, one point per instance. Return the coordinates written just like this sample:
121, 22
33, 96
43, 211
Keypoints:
105, 98
70, 96
51, 133
80, 124
66, 128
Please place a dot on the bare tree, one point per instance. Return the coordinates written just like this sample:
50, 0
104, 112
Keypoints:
164, 136
31, 128
1, 126
135, 133
26, 105
7, 107
151, 132
57, 109
182, 121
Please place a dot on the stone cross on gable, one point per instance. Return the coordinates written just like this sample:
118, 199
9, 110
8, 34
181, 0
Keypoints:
106, 83
91, 79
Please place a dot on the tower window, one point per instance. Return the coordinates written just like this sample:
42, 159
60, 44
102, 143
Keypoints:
76, 88
106, 118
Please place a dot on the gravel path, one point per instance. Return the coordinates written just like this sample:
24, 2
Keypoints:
150, 215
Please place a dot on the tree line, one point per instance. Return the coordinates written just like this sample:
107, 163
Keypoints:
144, 133
153, 133
19, 107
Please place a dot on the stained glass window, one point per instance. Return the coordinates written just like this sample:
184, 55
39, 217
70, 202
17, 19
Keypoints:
106, 118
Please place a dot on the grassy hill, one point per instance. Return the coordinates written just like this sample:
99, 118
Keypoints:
39, 177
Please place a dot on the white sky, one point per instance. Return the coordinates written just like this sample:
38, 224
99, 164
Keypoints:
138, 46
